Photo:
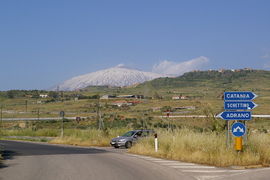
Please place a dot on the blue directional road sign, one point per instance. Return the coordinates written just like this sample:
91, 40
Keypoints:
239, 105
235, 115
239, 96
238, 129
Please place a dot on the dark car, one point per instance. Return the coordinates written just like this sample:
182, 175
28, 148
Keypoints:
129, 138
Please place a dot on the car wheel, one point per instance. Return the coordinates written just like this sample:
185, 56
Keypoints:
116, 147
128, 144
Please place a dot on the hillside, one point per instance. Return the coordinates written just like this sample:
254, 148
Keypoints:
228, 80
199, 83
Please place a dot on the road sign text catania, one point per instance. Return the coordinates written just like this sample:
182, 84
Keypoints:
239, 96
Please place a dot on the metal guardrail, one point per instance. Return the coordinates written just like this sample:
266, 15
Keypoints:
204, 116
74, 118
36, 138
39, 119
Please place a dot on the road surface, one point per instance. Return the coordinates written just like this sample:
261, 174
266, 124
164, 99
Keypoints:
41, 161
32, 161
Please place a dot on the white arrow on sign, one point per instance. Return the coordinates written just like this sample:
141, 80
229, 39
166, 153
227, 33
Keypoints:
238, 129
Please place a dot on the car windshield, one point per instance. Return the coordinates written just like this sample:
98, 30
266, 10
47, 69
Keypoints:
128, 134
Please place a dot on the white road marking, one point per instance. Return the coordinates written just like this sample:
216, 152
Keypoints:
147, 158
165, 161
204, 172
178, 164
134, 155
152, 159
206, 177
193, 167
213, 171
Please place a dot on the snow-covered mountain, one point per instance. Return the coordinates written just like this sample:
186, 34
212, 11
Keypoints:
119, 76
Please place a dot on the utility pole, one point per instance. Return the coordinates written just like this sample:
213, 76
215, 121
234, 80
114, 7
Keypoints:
1, 113
38, 114
101, 123
62, 114
62, 129
26, 102
1, 116
99, 118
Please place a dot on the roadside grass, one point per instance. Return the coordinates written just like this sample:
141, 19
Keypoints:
206, 148
30, 132
180, 144
27, 138
90, 137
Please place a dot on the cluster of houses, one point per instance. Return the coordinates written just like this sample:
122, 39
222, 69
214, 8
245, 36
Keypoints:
224, 70
180, 97
233, 70
121, 103
125, 103
174, 109
43, 95
107, 96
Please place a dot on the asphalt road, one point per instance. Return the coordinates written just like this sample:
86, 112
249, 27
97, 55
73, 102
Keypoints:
35, 161
41, 161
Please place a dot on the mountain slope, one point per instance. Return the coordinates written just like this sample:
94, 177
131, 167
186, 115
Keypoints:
118, 76
233, 80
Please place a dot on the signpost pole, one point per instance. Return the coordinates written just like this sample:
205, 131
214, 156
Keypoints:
238, 143
238, 106
228, 134
245, 136
238, 130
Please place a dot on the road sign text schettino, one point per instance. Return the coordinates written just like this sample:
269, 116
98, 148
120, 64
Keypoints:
239, 105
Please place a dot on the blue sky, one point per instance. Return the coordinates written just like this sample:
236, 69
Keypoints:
45, 42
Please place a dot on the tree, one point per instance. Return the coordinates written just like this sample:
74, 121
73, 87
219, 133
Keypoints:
157, 96
10, 94
53, 94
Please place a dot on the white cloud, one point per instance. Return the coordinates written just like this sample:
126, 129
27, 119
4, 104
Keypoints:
120, 65
266, 56
267, 65
179, 68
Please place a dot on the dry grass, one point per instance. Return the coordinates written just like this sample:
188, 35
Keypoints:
206, 148
182, 144
30, 132
91, 137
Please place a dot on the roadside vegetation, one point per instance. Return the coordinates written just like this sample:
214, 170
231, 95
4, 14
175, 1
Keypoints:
206, 148
199, 140
92, 137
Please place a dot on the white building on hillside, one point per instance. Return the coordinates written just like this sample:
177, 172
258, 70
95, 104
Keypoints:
43, 95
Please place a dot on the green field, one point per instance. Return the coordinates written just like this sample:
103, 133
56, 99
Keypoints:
203, 89
203, 96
